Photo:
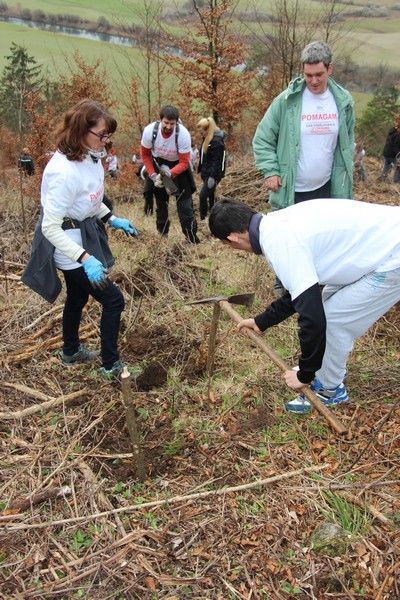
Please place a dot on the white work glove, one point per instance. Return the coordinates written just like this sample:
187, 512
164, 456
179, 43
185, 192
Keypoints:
166, 170
210, 183
153, 177
158, 182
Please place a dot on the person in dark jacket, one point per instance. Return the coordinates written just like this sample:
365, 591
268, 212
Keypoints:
26, 164
391, 152
211, 163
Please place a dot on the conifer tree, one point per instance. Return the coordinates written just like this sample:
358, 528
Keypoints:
378, 118
21, 76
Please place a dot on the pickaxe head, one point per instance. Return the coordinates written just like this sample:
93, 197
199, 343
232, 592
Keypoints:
242, 299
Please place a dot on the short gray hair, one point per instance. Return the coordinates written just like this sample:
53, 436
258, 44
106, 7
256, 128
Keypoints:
317, 52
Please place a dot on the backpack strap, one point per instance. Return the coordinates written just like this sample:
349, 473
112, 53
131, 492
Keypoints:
155, 131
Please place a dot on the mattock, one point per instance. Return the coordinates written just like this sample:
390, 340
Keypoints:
224, 303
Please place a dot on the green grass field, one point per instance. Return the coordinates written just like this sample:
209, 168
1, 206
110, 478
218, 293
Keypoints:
114, 11
52, 51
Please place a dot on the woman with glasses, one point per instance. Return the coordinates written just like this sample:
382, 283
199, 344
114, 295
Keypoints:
69, 234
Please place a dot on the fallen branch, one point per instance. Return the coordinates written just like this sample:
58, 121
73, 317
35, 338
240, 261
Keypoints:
50, 344
167, 501
10, 277
31, 392
44, 329
44, 406
102, 498
21, 504
49, 312
394, 569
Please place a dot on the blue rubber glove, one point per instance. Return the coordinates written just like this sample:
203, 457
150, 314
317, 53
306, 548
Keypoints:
95, 271
210, 183
166, 170
125, 225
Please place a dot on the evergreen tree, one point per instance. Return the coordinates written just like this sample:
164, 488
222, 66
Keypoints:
378, 118
21, 76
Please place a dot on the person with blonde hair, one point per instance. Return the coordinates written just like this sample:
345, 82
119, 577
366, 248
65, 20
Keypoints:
211, 162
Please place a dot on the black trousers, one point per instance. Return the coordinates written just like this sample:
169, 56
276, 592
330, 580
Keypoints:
322, 192
206, 198
184, 204
148, 195
78, 291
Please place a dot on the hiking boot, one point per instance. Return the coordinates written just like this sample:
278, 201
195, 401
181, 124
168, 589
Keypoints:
82, 355
330, 397
114, 372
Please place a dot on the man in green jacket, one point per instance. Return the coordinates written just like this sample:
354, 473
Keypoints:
304, 144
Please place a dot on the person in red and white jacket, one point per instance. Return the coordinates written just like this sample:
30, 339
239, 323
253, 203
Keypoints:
165, 151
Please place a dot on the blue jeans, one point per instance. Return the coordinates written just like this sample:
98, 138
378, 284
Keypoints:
78, 291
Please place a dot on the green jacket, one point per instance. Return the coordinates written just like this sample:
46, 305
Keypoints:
276, 143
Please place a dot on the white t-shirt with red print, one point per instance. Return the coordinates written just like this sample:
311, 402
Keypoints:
165, 147
319, 129
72, 189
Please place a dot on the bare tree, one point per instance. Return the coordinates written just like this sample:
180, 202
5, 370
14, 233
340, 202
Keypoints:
210, 67
292, 26
146, 88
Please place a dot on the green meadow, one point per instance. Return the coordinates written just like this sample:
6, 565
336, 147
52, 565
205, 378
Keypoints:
53, 51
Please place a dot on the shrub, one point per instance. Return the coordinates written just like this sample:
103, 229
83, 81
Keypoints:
26, 14
39, 15
103, 24
3, 7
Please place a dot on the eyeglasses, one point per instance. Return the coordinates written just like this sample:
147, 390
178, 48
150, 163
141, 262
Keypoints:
103, 137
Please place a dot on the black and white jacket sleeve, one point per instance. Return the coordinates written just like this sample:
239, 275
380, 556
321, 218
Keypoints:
312, 327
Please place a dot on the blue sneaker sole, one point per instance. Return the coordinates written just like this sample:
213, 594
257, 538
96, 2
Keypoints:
333, 401
299, 410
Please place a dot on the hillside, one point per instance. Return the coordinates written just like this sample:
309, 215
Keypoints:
108, 538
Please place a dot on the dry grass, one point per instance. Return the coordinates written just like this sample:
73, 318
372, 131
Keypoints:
249, 544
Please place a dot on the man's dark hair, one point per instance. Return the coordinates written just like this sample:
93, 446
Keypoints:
229, 216
169, 112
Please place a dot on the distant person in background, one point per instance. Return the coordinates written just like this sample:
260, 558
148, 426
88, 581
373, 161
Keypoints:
211, 163
391, 152
359, 172
26, 164
112, 162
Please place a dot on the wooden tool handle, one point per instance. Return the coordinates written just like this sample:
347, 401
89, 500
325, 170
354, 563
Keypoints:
308, 393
